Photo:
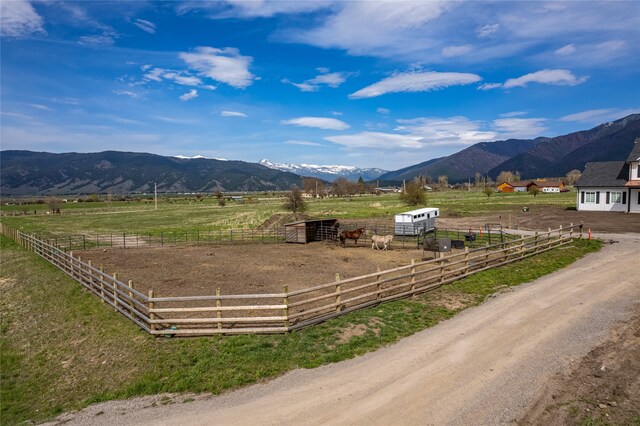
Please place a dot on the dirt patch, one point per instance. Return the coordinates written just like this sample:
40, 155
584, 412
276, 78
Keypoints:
603, 387
243, 269
540, 218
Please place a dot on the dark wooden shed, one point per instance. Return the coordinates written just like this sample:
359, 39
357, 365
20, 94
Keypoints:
306, 231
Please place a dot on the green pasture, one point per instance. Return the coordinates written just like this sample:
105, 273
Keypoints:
62, 349
188, 214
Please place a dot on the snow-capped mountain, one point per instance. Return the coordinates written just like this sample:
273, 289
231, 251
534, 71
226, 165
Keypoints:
328, 173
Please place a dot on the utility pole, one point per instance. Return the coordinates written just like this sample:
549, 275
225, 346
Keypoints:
404, 186
155, 194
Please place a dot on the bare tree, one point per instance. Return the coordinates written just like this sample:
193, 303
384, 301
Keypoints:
573, 176
535, 190
414, 195
504, 176
488, 191
294, 201
443, 181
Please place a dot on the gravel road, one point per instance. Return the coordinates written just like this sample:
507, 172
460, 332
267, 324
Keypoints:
487, 365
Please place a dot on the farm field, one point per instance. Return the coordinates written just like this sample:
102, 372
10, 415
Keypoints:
179, 215
63, 349
88, 353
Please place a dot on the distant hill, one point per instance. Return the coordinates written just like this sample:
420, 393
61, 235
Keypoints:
557, 156
533, 158
327, 173
463, 165
38, 173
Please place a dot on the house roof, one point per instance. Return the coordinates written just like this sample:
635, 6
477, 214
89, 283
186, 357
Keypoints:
545, 183
514, 184
635, 152
605, 173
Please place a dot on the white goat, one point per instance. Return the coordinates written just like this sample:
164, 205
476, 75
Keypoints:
385, 240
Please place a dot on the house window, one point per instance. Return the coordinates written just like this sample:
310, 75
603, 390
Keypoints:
589, 197
616, 198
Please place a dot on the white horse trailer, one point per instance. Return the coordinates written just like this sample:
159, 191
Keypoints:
416, 221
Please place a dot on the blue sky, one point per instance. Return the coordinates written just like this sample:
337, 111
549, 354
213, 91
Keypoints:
368, 83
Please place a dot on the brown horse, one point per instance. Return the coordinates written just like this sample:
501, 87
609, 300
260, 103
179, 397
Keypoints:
350, 235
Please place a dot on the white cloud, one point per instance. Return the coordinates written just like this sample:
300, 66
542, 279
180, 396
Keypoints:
487, 30
175, 120
566, 50
383, 111
377, 140
415, 82
145, 25
193, 93
519, 127
446, 131
555, 77
336, 113
41, 107
600, 115
224, 65
18, 18
251, 9
326, 78
513, 114
97, 40
453, 51
489, 86
232, 114
318, 122
303, 143
386, 28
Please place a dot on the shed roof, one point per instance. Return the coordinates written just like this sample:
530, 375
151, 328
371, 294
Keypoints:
420, 211
635, 152
605, 173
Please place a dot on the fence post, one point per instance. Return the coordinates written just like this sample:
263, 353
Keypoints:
560, 234
218, 313
338, 290
285, 290
130, 283
466, 260
152, 315
535, 243
90, 278
413, 276
379, 285
571, 231
72, 266
441, 266
115, 292
102, 284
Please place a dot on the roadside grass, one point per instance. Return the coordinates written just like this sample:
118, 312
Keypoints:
183, 215
62, 349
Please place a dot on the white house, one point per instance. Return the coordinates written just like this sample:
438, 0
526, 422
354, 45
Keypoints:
612, 186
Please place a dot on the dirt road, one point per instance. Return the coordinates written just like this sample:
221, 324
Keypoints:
485, 366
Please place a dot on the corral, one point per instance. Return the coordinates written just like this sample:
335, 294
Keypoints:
287, 310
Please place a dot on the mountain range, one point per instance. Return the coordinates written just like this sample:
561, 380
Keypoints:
41, 173
533, 158
37, 173
327, 173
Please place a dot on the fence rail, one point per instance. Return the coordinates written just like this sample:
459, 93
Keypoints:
285, 311
240, 236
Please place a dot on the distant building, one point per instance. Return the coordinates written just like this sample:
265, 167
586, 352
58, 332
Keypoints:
612, 186
514, 186
547, 186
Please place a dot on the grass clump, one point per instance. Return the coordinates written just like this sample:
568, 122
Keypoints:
62, 349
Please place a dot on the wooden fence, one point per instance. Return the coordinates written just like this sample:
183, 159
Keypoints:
288, 310
246, 235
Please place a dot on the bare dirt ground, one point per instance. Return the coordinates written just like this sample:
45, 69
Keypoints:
488, 365
540, 218
244, 268
603, 386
